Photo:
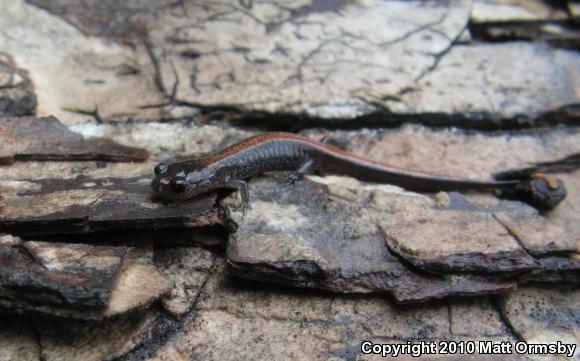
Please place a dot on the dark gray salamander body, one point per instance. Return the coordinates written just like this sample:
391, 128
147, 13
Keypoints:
230, 167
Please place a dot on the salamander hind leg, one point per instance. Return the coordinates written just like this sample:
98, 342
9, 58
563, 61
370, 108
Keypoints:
302, 170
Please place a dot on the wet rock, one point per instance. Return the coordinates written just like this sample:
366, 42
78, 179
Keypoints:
300, 50
31, 138
450, 85
188, 269
544, 315
16, 95
260, 300
557, 255
555, 269
290, 65
261, 322
75, 280
325, 235
73, 169
382, 319
51, 206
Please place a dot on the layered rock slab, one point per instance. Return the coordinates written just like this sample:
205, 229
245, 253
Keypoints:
74, 75
31, 138
75, 280
455, 241
300, 55
291, 60
325, 235
535, 20
496, 238
477, 156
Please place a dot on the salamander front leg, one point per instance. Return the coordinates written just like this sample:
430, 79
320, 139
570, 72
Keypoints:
303, 169
241, 186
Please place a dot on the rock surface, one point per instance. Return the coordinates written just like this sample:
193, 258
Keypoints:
107, 340
114, 84
456, 153
174, 76
538, 235
188, 269
455, 241
394, 146
287, 60
272, 323
541, 315
325, 234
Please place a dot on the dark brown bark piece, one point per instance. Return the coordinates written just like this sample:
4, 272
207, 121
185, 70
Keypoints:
111, 339
123, 22
555, 269
61, 274
31, 138
75, 280
53, 206
558, 34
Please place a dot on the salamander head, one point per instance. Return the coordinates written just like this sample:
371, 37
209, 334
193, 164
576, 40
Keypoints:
183, 180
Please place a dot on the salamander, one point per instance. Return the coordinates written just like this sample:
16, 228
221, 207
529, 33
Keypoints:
232, 166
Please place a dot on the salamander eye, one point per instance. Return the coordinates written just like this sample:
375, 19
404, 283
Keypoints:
161, 168
178, 185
